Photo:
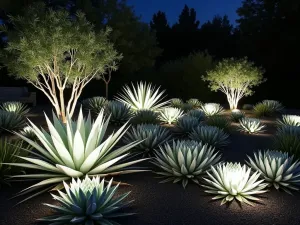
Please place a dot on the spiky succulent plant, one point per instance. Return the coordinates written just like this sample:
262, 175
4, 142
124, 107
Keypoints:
275, 106
236, 115
211, 109
187, 124
10, 121
170, 115
194, 102
88, 202
289, 120
151, 135
287, 139
184, 161
145, 116
142, 96
197, 113
16, 107
186, 107
210, 135
119, 112
75, 149
94, 104
251, 125
278, 169
176, 102
229, 181
218, 121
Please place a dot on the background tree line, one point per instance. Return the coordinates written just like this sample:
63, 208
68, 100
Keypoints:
176, 55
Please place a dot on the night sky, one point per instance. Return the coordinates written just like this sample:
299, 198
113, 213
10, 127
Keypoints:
205, 9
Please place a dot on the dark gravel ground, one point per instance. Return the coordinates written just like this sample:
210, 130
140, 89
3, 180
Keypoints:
170, 204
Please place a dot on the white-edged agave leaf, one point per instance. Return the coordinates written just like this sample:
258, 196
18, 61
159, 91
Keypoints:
184, 161
105, 204
69, 156
251, 125
277, 168
229, 181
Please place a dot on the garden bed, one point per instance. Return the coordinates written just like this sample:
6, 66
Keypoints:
170, 204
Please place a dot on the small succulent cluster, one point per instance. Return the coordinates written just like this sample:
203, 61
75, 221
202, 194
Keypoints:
278, 169
170, 115
251, 125
213, 136
119, 112
94, 104
211, 109
176, 102
149, 137
194, 102
89, 201
184, 161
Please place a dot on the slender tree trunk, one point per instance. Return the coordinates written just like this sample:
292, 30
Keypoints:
106, 90
62, 106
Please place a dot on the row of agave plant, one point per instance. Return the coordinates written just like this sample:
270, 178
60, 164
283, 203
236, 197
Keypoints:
79, 152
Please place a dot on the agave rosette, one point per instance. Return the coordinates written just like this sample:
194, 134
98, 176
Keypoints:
236, 115
170, 115
10, 121
187, 124
211, 109
197, 113
89, 201
151, 135
15, 107
274, 105
176, 102
94, 104
76, 149
145, 116
119, 112
144, 96
278, 169
289, 120
251, 125
229, 181
184, 161
210, 135
194, 102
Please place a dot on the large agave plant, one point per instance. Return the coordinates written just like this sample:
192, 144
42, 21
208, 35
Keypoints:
153, 136
187, 124
219, 121
176, 102
184, 161
119, 112
87, 202
170, 115
194, 102
10, 121
289, 120
198, 114
145, 116
230, 181
236, 115
94, 104
251, 125
144, 96
212, 136
76, 149
15, 107
211, 109
278, 169
287, 139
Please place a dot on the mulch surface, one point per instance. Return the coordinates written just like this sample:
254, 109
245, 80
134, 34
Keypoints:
170, 204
